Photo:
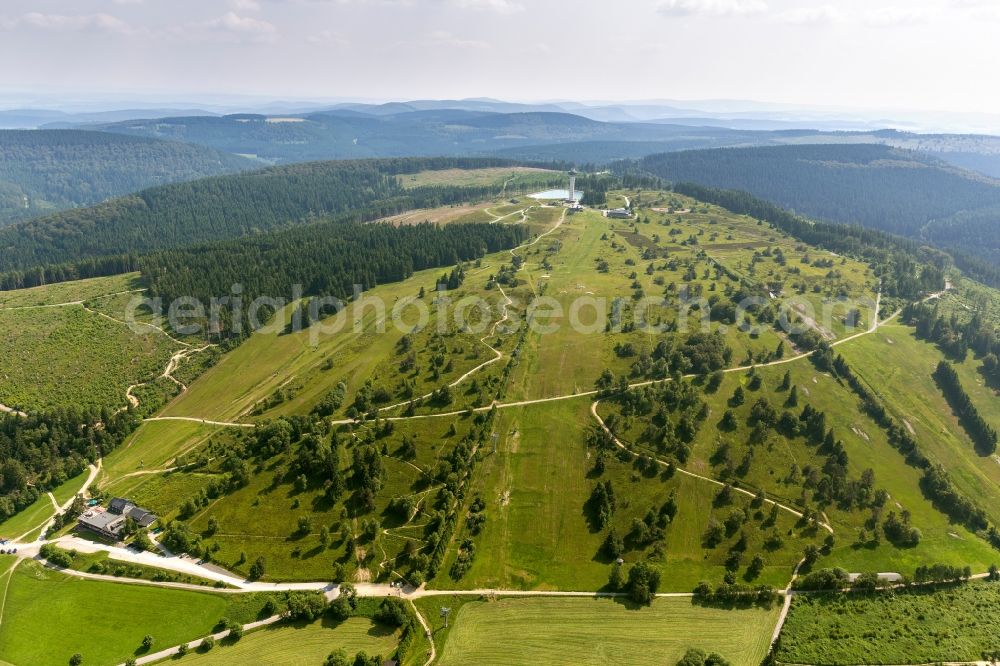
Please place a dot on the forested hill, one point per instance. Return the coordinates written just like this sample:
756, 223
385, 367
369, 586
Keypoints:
42, 171
876, 186
325, 259
220, 208
345, 134
899, 191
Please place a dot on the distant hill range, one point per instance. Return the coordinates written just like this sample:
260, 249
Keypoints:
46, 171
584, 135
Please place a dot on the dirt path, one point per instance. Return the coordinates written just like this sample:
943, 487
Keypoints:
10, 410
59, 510
195, 644
664, 463
505, 316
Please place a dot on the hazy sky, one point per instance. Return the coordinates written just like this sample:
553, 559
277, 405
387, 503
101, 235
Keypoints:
916, 54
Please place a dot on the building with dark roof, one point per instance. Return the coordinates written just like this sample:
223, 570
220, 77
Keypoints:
111, 521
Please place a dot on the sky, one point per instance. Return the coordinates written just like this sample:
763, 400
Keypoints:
871, 54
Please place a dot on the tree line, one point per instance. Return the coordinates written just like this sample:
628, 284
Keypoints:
954, 337
43, 450
979, 430
326, 259
935, 483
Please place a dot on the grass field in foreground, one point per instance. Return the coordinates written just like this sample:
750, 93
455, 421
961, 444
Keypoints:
602, 631
49, 616
299, 644
537, 535
914, 627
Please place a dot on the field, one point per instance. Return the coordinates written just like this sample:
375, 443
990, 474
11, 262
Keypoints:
297, 645
48, 616
770, 467
156, 445
538, 535
28, 522
69, 292
899, 367
466, 454
913, 627
67, 355
601, 631
499, 176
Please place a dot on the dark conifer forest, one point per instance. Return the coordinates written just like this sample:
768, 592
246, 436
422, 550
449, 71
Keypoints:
44, 171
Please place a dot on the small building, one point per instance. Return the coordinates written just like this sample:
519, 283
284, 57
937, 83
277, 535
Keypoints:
619, 213
142, 517
111, 521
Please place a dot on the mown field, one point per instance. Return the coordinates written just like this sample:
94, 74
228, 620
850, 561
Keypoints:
49, 616
899, 367
919, 626
601, 631
298, 644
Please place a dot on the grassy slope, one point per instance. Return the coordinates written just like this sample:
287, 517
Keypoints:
49, 616
915, 627
67, 292
537, 535
298, 645
899, 367
32, 518
155, 445
867, 448
61, 356
28, 521
261, 519
602, 631
268, 362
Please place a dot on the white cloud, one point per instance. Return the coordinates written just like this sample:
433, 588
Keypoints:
979, 9
105, 23
244, 5
498, 6
329, 38
891, 17
445, 38
822, 15
712, 7
233, 27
